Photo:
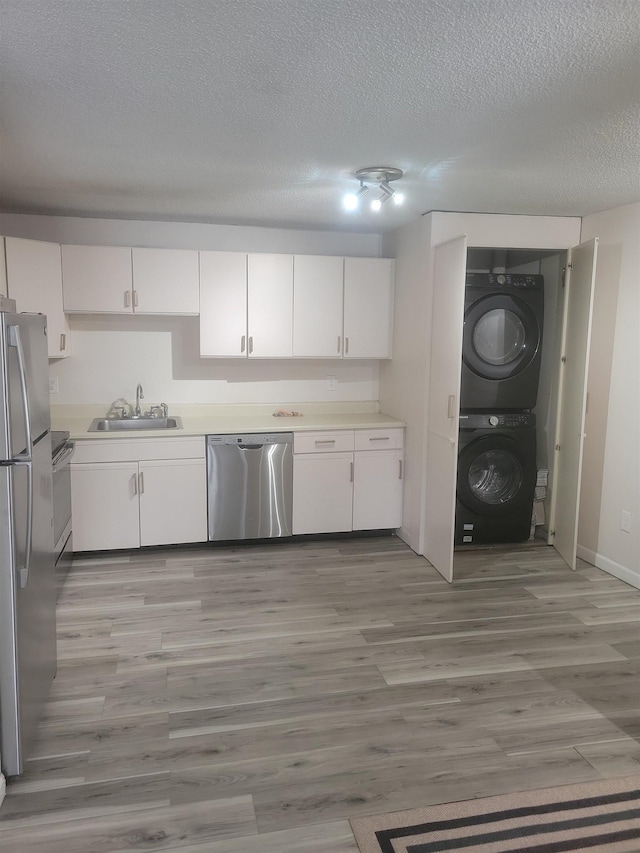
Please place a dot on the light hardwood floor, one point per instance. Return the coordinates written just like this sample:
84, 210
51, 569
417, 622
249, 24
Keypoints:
245, 699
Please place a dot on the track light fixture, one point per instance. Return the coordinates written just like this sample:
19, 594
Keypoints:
378, 177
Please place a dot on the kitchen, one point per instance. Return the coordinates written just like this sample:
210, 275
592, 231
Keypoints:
162, 352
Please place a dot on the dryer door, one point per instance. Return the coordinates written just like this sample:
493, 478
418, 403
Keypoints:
496, 476
501, 336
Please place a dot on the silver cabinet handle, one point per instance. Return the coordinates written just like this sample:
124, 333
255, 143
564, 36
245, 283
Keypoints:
127, 299
135, 298
141, 480
400, 469
135, 484
250, 343
339, 342
351, 475
346, 346
451, 406
326, 441
380, 438
243, 343
63, 342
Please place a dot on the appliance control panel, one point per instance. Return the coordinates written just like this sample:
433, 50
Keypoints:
495, 281
510, 420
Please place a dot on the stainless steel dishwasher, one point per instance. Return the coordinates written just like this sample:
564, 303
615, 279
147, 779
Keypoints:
250, 483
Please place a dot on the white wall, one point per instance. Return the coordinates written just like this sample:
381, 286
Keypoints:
611, 472
111, 354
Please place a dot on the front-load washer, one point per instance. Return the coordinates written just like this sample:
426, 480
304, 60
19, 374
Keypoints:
496, 478
502, 340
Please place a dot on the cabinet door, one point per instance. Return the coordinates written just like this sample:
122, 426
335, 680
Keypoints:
377, 489
34, 278
3, 270
322, 492
104, 506
165, 281
97, 279
173, 501
572, 399
223, 304
368, 306
270, 305
444, 403
317, 306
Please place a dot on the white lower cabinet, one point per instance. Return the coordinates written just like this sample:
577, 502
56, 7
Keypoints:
347, 480
127, 494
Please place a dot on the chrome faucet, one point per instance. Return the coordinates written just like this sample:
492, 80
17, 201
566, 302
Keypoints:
139, 396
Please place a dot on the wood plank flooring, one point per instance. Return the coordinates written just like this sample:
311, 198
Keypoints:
253, 698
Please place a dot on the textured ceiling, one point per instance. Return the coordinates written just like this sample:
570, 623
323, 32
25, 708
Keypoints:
259, 111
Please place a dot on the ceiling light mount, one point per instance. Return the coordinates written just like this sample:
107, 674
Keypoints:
375, 177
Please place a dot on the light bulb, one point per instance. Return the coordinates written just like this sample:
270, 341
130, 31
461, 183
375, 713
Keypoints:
398, 198
376, 204
350, 201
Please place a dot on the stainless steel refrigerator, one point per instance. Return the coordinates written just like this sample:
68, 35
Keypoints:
27, 578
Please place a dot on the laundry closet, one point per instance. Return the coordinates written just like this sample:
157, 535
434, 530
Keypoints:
537, 274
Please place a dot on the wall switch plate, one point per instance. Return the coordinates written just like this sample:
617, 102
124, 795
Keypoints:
54, 388
331, 383
625, 521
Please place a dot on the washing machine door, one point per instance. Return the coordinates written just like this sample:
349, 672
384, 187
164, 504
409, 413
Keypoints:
501, 336
496, 476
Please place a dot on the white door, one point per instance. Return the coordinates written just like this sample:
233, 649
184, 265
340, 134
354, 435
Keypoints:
97, 279
223, 304
173, 501
322, 492
270, 305
34, 275
317, 306
104, 505
368, 307
572, 398
377, 489
165, 281
444, 403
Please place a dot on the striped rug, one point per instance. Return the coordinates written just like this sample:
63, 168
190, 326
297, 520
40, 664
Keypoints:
598, 817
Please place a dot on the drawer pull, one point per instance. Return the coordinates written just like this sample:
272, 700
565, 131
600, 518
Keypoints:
135, 298
135, 484
250, 344
326, 441
127, 299
346, 346
380, 438
339, 339
400, 469
243, 343
63, 342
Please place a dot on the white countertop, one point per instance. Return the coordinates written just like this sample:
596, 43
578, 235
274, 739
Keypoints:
225, 419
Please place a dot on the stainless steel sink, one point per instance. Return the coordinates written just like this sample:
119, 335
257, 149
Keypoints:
129, 424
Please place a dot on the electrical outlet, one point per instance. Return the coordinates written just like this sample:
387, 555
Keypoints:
331, 383
54, 388
625, 521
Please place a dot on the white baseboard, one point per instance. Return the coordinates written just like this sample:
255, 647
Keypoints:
610, 566
3, 788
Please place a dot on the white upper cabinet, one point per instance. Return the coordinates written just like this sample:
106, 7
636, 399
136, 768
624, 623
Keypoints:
317, 306
97, 279
223, 304
165, 281
3, 269
270, 305
34, 280
368, 307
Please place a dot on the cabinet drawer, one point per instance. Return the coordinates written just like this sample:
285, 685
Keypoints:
323, 442
379, 439
127, 450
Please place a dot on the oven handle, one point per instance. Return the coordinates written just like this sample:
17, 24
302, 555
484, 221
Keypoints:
62, 459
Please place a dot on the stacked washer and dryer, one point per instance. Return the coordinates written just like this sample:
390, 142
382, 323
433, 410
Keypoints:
501, 352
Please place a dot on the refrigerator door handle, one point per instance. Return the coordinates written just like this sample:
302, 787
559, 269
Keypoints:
16, 341
23, 571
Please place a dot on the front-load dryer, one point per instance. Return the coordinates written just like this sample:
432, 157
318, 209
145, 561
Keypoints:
496, 478
502, 340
